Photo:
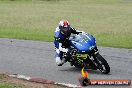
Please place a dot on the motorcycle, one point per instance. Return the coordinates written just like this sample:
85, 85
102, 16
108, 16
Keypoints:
83, 52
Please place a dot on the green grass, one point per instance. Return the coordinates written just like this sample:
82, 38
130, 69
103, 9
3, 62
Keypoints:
7, 86
108, 20
1, 77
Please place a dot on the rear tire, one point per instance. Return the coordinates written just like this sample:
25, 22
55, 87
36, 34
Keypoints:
101, 63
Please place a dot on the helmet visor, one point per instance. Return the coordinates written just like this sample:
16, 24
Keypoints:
65, 31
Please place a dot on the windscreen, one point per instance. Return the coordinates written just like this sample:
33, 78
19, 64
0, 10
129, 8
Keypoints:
79, 38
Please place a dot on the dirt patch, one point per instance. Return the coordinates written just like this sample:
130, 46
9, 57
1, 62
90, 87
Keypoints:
5, 79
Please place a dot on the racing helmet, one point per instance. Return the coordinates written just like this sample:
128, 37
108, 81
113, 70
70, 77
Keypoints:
64, 27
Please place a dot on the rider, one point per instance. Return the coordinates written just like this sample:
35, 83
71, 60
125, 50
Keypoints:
62, 34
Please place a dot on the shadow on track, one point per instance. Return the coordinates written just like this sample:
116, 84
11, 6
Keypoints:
78, 70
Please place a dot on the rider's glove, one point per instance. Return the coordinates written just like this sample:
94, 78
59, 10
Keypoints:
64, 50
78, 32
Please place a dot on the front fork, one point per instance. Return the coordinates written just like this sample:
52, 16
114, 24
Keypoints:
96, 62
90, 64
90, 61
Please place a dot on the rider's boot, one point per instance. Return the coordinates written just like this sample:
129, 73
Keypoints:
60, 62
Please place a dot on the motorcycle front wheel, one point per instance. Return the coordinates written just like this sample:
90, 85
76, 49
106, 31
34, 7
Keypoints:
101, 63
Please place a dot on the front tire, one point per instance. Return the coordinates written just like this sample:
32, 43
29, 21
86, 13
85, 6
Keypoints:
101, 63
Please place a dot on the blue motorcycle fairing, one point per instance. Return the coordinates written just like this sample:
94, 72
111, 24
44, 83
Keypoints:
85, 43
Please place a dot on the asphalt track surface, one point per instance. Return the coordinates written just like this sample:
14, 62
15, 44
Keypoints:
34, 58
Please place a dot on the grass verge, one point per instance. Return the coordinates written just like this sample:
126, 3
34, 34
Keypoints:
108, 20
9, 82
